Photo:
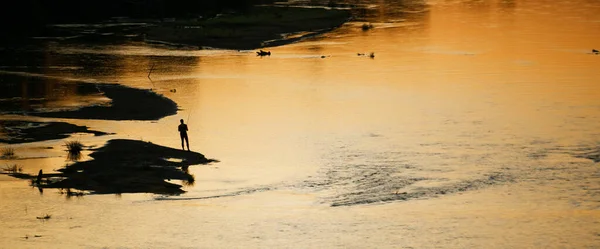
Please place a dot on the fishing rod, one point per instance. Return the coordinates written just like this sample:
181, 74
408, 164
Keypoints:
188, 118
189, 114
150, 72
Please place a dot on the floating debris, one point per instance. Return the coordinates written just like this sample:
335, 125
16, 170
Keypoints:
370, 55
366, 26
35, 236
45, 217
595, 51
262, 53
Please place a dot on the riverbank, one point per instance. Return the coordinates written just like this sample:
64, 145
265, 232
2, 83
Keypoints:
259, 27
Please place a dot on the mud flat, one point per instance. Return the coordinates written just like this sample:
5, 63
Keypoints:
19, 131
126, 104
124, 166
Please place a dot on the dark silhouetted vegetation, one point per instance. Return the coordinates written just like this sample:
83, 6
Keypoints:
29, 17
13, 168
74, 146
8, 153
74, 149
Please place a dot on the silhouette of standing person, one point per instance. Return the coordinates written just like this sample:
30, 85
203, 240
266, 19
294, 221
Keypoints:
183, 134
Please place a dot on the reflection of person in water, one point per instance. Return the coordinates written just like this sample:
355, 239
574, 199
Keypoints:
183, 134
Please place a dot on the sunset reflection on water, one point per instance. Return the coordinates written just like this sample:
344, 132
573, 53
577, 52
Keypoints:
463, 131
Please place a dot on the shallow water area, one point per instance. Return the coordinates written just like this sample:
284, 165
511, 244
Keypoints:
474, 125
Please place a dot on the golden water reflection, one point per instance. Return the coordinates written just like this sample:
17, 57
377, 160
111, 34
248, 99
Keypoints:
457, 96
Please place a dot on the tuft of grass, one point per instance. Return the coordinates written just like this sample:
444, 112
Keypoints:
73, 156
74, 147
189, 181
14, 168
8, 153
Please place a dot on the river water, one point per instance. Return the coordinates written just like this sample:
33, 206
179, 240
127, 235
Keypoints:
472, 127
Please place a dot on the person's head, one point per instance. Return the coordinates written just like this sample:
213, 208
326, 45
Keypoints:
181, 120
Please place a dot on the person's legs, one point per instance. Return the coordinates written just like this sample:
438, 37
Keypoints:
182, 137
187, 142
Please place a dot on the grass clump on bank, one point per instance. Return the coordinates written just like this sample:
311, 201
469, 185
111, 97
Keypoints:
14, 168
8, 153
74, 147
